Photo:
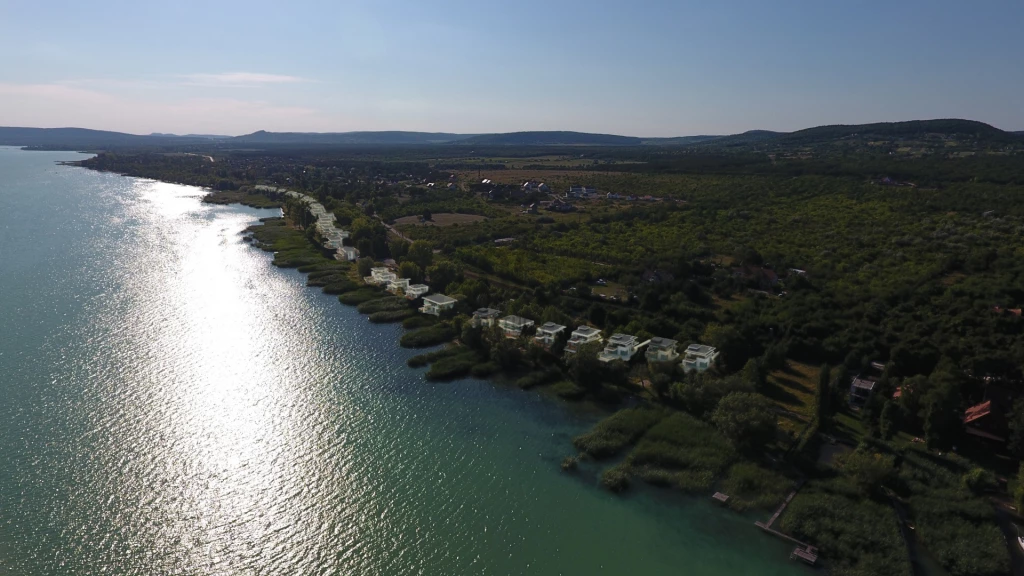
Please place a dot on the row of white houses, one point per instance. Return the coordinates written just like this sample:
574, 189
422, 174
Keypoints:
384, 276
618, 347
334, 237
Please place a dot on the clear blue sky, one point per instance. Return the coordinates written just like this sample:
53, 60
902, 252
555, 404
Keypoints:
641, 68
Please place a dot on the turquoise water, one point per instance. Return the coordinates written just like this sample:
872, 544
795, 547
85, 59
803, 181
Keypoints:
173, 404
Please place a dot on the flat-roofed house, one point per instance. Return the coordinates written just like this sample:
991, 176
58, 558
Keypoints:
513, 325
861, 389
699, 357
662, 350
398, 284
380, 276
348, 253
414, 291
619, 347
435, 304
547, 333
485, 317
580, 336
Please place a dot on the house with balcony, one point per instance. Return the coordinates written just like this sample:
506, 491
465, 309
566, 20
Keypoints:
662, 350
485, 317
380, 276
414, 291
619, 347
699, 357
547, 333
398, 284
580, 336
435, 304
348, 253
513, 325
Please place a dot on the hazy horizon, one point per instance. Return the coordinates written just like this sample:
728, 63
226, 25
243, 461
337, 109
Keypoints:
651, 69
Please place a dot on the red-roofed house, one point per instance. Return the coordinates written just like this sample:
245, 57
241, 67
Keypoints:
986, 421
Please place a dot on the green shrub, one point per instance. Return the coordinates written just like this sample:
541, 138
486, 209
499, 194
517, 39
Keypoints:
360, 296
485, 369
418, 321
570, 463
539, 378
452, 367
568, 390
616, 478
385, 304
750, 486
617, 431
340, 287
430, 336
386, 316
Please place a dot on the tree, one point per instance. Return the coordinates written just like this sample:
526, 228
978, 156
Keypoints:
1016, 424
364, 265
824, 395
399, 249
747, 419
584, 367
754, 373
442, 274
889, 421
427, 216
730, 343
1018, 492
598, 315
422, 253
867, 469
411, 271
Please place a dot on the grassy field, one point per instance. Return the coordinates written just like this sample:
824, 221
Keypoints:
793, 391
440, 220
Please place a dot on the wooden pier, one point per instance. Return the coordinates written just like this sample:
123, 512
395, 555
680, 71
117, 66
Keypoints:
803, 550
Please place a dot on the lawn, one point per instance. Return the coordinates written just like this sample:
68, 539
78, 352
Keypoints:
793, 391
444, 219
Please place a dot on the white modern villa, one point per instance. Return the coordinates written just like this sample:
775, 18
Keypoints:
485, 317
513, 326
662, 350
414, 291
580, 336
435, 304
619, 347
381, 275
699, 357
348, 253
547, 333
398, 284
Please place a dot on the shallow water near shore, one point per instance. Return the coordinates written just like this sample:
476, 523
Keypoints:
173, 404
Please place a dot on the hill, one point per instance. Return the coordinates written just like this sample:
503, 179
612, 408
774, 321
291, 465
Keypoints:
82, 138
913, 129
679, 140
551, 139
339, 138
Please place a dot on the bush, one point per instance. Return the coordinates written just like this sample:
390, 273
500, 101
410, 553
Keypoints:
418, 321
430, 336
570, 463
750, 486
360, 296
539, 378
424, 359
568, 390
617, 431
385, 304
452, 367
979, 481
616, 479
484, 369
386, 316
340, 287
680, 442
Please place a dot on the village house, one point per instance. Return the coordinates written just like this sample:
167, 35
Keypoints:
414, 291
398, 284
543, 187
662, 350
699, 357
860, 390
547, 333
614, 196
580, 336
513, 325
348, 253
380, 275
435, 304
619, 347
485, 317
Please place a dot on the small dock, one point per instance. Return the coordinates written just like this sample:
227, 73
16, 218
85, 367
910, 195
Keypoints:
720, 498
803, 551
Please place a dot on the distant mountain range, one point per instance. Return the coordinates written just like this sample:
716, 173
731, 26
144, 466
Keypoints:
85, 139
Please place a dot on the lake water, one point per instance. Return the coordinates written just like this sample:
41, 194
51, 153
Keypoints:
170, 403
